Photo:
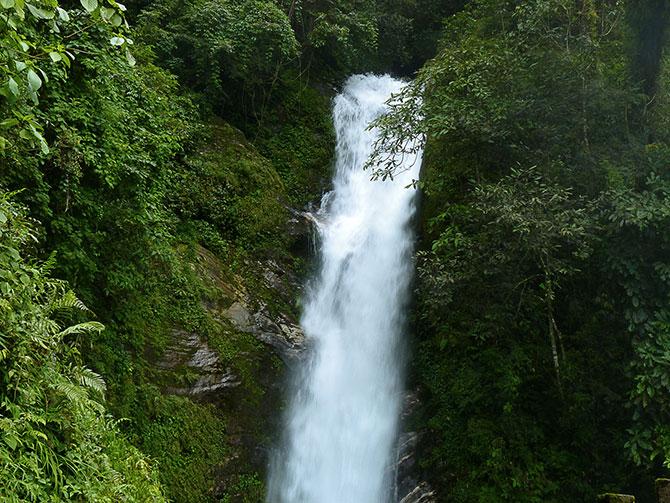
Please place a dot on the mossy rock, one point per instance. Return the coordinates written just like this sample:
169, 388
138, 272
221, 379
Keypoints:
616, 498
299, 138
231, 186
663, 490
188, 441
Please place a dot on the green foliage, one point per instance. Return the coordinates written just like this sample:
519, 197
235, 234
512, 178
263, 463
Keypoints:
35, 41
247, 489
341, 35
510, 373
638, 258
58, 443
542, 291
186, 439
230, 185
297, 137
228, 51
114, 196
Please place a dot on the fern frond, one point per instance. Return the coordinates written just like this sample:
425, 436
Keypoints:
91, 380
48, 265
81, 328
68, 301
46, 326
71, 391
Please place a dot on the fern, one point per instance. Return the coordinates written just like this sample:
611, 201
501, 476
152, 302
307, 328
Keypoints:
56, 441
71, 391
81, 328
67, 301
91, 380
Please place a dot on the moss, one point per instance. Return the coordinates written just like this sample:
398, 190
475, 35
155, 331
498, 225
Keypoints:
245, 488
616, 498
187, 440
233, 188
243, 353
220, 286
299, 138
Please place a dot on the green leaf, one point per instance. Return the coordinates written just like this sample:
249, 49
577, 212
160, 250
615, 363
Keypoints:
34, 80
81, 328
11, 441
18, 9
118, 41
130, 58
106, 13
7, 4
55, 57
40, 13
7, 123
62, 14
20, 65
89, 5
116, 20
44, 147
13, 86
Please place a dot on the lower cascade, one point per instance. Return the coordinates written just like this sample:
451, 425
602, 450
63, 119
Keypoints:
342, 423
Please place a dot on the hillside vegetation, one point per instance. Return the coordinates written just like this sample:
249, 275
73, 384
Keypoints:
153, 154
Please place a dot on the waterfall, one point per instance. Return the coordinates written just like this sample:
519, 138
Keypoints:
342, 422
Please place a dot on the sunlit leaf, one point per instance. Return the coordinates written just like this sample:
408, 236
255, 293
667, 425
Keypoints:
34, 81
13, 86
89, 5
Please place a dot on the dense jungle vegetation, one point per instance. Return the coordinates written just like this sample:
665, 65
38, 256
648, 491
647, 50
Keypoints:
134, 136
543, 287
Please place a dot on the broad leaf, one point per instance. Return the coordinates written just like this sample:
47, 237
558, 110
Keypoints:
89, 5
34, 81
13, 86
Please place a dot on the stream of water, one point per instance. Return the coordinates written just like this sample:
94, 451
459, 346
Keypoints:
342, 425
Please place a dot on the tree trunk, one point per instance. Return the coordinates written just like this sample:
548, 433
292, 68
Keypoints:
648, 20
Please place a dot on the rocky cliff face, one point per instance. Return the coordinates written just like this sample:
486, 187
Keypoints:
239, 365
410, 487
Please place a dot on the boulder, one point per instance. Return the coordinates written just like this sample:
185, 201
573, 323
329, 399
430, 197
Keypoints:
663, 490
616, 498
189, 353
410, 488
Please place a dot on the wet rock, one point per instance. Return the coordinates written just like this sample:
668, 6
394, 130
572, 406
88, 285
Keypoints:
189, 353
240, 315
422, 493
299, 229
245, 310
409, 486
285, 337
616, 498
663, 490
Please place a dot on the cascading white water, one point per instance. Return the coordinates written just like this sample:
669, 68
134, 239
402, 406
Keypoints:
342, 423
